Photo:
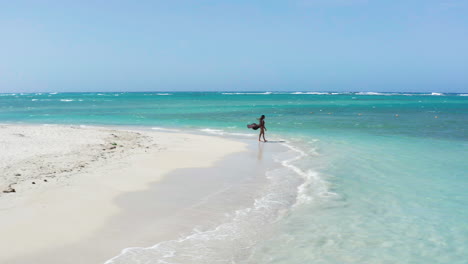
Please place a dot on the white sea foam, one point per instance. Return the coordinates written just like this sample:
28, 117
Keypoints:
67, 100
316, 93
319, 93
53, 93
220, 132
387, 94
165, 129
309, 177
371, 93
432, 94
34, 100
163, 94
462, 94
213, 131
245, 93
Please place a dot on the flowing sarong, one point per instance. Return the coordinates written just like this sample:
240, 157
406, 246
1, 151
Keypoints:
253, 126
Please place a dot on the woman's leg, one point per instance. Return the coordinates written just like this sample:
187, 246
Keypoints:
262, 133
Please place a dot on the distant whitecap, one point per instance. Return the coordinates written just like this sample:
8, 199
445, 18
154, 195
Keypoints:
245, 93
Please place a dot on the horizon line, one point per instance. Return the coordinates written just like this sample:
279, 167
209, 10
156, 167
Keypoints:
234, 91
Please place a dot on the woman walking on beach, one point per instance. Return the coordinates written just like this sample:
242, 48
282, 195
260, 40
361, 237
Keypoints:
262, 128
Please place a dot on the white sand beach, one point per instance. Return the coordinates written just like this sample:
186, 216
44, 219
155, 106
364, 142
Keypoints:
58, 184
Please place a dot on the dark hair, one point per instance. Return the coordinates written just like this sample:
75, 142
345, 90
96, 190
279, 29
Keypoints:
262, 117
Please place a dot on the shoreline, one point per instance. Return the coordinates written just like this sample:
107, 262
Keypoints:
89, 193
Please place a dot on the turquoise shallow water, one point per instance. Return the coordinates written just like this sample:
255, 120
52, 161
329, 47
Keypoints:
376, 178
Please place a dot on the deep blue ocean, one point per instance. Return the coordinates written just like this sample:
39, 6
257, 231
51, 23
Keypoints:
378, 177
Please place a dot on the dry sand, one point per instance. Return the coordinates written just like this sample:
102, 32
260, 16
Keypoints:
58, 184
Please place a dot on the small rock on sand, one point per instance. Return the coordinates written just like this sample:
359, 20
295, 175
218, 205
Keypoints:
9, 190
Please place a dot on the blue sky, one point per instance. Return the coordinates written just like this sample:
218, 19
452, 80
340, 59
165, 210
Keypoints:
303, 45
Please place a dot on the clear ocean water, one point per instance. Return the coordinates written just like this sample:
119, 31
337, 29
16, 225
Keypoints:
368, 178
